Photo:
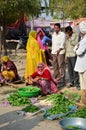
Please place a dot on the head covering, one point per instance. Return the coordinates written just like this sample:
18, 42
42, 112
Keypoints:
40, 29
32, 34
41, 64
44, 66
82, 27
5, 58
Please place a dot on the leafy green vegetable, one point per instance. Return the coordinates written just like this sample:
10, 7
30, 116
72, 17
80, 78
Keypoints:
79, 113
31, 108
60, 104
74, 96
29, 89
16, 99
73, 127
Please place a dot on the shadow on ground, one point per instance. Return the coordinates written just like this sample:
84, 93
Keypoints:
13, 121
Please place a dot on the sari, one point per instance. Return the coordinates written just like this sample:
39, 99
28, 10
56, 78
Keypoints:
8, 70
46, 81
39, 38
34, 54
42, 40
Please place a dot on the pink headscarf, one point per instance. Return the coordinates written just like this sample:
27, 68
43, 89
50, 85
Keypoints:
45, 68
42, 65
39, 29
39, 39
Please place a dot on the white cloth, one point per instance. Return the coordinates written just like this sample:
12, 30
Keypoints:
82, 80
82, 27
80, 65
58, 41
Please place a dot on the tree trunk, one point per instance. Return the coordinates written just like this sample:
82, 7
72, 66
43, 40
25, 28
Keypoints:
32, 23
3, 40
0, 44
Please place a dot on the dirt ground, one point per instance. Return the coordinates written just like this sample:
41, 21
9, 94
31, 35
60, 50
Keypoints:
9, 119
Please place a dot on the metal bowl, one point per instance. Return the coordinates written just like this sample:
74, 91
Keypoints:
73, 123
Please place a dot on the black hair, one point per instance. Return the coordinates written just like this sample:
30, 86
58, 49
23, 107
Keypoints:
57, 24
68, 28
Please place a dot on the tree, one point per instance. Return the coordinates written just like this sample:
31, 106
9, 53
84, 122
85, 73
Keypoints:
10, 10
70, 8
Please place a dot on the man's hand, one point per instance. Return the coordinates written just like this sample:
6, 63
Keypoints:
58, 51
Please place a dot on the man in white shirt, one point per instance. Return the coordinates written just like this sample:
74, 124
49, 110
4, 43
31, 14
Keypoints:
58, 53
80, 65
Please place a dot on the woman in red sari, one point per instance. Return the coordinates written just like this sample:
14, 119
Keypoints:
43, 78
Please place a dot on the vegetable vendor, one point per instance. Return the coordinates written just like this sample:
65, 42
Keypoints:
44, 79
8, 70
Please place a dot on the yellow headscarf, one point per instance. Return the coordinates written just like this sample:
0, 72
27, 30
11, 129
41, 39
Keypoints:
5, 58
33, 34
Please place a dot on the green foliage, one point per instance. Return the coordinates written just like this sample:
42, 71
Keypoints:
16, 99
10, 10
60, 104
31, 108
70, 8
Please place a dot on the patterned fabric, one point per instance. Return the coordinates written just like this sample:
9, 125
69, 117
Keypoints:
48, 83
8, 70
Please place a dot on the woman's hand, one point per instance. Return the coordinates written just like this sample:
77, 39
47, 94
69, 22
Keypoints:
36, 79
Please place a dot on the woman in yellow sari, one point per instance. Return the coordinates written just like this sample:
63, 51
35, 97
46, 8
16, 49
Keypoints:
8, 70
34, 54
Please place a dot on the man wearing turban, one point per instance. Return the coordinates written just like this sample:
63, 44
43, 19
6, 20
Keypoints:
80, 65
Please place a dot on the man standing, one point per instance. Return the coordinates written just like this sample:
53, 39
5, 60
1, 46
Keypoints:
72, 39
80, 66
58, 53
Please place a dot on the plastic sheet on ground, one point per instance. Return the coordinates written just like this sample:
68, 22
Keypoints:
57, 116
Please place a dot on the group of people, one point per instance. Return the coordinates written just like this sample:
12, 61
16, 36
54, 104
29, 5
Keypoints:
66, 46
37, 71
72, 47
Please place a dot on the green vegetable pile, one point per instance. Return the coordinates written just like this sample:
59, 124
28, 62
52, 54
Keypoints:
73, 127
60, 103
16, 99
58, 99
74, 96
29, 89
31, 108
79, 113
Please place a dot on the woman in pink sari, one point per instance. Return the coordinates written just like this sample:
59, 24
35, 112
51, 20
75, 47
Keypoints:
43, 43
44, 79
40, 35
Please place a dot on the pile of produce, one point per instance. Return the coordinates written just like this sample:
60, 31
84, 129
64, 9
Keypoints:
60, 104
16, 99
74, 96
79, 113
73, 127
31, 108
30, 89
